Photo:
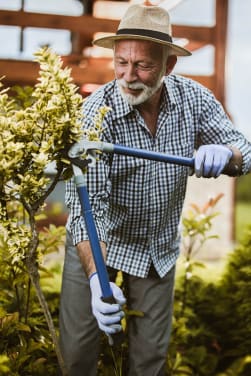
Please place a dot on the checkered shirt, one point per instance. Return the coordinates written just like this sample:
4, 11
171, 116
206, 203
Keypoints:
137, 203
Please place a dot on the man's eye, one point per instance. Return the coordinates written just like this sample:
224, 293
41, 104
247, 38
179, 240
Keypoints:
143, 66
122, 62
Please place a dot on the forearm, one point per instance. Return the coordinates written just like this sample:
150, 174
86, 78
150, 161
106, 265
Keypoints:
86, 257
234, 167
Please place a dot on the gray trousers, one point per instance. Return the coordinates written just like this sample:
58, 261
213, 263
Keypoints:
148, 336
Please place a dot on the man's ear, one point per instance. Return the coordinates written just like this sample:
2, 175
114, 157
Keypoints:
170, 64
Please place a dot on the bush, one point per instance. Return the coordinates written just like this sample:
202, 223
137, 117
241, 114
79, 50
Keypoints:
213, 333
38, 127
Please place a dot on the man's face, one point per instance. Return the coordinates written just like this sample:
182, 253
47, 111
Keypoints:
139, 68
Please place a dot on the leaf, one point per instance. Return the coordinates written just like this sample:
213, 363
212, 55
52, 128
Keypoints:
199, 264
134, 313
195, 207
23, 327
4, 365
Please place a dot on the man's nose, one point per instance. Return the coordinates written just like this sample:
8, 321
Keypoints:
130, 73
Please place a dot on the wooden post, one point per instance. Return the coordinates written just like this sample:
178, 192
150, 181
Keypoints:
220, 48
78, 41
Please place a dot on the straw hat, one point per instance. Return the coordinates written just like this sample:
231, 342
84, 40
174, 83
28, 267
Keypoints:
143, 22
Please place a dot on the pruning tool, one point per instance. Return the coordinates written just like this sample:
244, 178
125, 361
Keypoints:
89, 149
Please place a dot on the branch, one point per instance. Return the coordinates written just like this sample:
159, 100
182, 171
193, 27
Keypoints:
32, 267
35, 279
42, 199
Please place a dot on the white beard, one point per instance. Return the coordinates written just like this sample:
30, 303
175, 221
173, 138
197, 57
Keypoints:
147, 91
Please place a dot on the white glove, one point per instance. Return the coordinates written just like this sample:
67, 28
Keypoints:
210, 160
108, 315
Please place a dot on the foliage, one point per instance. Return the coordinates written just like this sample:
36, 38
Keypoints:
4, 367
189, 351
33, 136
211, 334
196, 225
232, 323
25, 339
38, 127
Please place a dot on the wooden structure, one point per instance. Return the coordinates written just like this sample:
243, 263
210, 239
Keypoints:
99, 70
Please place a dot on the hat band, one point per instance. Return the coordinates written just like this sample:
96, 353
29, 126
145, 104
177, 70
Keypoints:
146, 33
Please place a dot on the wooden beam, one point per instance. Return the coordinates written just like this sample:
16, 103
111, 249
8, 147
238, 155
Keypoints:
19, 72
95, 71
88, 25
202, 34
85, 24
194, 45
207, 81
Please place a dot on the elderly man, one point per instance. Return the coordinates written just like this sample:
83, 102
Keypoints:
137, 203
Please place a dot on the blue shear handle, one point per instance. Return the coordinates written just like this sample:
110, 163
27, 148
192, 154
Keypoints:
147, 154
94, 241
107, 295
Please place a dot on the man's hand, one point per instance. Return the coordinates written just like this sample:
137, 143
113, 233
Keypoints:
108, 315
210, 160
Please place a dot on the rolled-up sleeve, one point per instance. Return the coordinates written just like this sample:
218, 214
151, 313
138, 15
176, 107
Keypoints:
216, 127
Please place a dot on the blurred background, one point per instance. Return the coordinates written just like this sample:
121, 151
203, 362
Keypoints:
191, 12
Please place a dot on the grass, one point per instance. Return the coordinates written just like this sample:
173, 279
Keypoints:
242, 218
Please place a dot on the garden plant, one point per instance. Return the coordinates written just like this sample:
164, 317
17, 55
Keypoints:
38, 126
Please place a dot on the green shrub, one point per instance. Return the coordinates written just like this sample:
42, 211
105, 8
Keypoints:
38, 127
213, 333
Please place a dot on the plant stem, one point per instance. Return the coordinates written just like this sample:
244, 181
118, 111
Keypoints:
48, 191
32, 267
117, 369
17, 296
27, 302
185, 282
35, 279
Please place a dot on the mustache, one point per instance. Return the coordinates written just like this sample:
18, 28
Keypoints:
133, 85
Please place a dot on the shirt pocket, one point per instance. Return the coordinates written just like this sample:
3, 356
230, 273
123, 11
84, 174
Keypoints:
180, 141
129, 178
180, 149
126, 167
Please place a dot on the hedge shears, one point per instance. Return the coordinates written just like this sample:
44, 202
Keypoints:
83, 155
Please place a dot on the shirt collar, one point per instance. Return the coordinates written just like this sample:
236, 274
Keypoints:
168, 95
120, 106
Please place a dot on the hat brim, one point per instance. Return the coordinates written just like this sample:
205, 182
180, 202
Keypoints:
108, 42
